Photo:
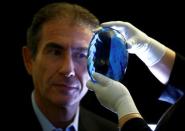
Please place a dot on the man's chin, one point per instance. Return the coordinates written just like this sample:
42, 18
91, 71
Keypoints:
66, 101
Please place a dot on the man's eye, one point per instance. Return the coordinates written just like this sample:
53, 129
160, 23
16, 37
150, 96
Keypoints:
55, 52
82, 55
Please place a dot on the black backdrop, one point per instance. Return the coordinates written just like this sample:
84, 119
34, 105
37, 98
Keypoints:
162, 21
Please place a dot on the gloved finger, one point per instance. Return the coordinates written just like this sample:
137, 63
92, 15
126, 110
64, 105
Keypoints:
101, 79
115, 23
90, 85
125, 28
97, 29
93, 86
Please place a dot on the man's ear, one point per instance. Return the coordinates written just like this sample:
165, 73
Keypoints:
27, 58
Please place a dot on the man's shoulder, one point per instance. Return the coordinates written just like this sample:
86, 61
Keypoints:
96, 122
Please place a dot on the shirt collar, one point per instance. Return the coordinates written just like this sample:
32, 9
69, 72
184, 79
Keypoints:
45, 123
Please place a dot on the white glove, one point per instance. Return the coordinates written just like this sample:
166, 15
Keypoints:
147, 49
113, 95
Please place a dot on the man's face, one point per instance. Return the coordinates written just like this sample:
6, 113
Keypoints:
59, 70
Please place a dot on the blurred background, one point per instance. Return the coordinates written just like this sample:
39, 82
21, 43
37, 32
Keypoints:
164, 21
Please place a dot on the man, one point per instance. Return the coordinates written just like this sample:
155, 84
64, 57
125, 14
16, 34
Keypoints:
55, 57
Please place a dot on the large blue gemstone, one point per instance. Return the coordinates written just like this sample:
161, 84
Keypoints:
107, 54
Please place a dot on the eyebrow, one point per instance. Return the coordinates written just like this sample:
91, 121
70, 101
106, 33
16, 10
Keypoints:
80, 49
57, 46
53, 45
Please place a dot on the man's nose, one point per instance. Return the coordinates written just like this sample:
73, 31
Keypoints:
67, 66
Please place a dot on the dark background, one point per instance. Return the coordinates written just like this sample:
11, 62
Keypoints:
163, 21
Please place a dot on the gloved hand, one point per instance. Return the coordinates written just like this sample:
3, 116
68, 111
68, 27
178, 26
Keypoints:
113, 95
146, 48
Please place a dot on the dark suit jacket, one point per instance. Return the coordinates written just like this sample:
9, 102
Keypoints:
173, 118
88, 121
